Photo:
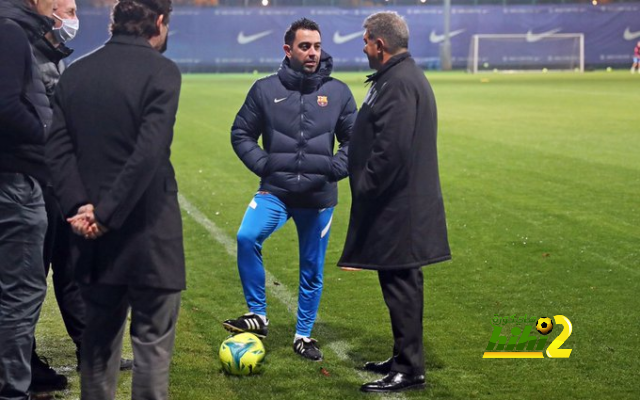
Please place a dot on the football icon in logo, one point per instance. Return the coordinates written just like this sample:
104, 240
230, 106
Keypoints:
544, 325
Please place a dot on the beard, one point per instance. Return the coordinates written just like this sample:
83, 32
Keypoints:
164, 45
375, 61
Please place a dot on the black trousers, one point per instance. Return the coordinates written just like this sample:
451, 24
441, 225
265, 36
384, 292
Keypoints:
56, 256
154, 313
403, 293
23, 286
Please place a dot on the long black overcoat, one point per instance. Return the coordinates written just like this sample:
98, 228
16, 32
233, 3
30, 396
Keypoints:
397, 213
114, 112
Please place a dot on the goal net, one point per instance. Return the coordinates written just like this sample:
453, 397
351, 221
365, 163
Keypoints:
526, 52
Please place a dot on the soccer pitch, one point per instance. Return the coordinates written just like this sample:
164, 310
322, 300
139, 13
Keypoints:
541, 179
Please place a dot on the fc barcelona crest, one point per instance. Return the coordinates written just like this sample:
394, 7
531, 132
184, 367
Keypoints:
323, 101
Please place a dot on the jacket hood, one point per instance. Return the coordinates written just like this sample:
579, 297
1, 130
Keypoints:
306, 83
54, 54
34, 24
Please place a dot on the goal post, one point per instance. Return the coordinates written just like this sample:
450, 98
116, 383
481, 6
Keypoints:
526, 52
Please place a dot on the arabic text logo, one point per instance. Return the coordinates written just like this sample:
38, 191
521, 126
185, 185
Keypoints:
522, 343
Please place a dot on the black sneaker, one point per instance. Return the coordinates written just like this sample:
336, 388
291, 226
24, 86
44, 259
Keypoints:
308, 348
249, 322
44, 378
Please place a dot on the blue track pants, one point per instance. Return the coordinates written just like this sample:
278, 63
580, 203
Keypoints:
266, 214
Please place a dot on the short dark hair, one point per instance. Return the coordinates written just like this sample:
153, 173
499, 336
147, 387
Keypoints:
138, 17
302, 23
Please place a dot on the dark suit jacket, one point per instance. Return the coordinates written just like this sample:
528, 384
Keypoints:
109, 145
397, 213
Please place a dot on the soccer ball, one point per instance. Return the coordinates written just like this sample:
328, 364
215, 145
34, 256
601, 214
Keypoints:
242, 354
544, 325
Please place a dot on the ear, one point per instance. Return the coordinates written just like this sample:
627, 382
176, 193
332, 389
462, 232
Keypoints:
379, 45
159, 22
287, 50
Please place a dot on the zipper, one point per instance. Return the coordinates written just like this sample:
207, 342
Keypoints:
301, 132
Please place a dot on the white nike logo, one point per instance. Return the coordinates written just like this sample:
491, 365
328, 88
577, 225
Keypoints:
242, 39
535, 37
435, 38
171, 33
279, 100
340, 39
628, 35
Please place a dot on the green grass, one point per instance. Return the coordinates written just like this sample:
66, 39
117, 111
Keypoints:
541, 178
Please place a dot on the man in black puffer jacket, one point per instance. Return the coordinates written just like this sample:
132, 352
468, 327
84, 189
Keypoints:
25, 114
299, 112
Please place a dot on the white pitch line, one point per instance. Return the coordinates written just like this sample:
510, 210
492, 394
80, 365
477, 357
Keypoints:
280, 291
230, 245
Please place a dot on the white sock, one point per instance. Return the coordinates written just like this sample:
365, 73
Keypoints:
263, 318
298, 337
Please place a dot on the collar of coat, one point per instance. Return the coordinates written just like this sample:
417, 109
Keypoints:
392, 62
53, 54
34, 24
129, 39
303, 82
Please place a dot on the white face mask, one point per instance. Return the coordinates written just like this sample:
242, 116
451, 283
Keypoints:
68, 29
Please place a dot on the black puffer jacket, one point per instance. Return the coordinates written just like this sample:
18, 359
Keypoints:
25, 112
49, 60
299, 116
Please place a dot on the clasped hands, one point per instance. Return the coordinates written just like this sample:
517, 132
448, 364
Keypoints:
84, 223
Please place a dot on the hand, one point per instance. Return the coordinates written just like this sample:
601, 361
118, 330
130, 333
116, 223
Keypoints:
84, 223
82, 220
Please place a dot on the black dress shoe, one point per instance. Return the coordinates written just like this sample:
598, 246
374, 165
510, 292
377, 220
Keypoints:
380, 367
126, 364
394, 382
44, 378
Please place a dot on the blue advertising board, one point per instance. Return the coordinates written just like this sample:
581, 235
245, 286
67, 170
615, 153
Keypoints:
226, 39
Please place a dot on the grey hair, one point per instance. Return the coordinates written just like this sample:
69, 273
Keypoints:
390, 27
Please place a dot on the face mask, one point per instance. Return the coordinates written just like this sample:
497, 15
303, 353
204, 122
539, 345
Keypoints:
68, 29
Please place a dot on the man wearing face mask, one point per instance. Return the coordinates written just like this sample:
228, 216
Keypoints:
50, 51
108, 152
300, 112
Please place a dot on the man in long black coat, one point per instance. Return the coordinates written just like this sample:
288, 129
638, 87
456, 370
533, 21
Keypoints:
397, 222
108, 150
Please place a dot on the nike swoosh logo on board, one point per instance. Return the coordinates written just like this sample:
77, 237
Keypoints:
341, 39
628, 35
535, 37
435, 38
244, 39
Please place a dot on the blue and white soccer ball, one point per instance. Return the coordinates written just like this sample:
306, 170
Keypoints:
242, 354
